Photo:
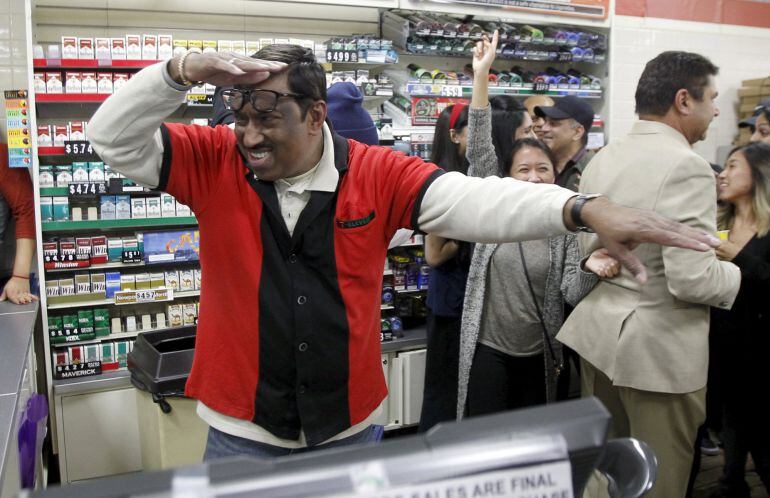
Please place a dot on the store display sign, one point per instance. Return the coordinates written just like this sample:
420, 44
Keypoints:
552, 480
341, 55
87, 189
593, 9
425, 110
144, 296
78, 149
17, 124
132, 257
78, 370
172, 246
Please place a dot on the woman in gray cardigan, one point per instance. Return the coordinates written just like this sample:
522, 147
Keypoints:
508, 355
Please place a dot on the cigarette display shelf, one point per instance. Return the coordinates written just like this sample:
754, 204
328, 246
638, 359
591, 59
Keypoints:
416, 89
70, 226
113, 378
91, 64
77, 301
114, 337
118, 265
84, 105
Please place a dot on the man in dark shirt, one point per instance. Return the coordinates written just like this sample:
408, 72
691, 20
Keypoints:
565, 131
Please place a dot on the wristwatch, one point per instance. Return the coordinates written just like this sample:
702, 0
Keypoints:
577, 207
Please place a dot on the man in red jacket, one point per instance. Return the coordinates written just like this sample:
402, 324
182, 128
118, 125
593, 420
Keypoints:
295, 223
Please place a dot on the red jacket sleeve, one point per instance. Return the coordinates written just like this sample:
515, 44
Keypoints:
16, 189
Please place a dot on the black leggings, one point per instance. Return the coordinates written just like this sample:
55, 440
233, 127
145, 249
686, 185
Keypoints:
439, 401
500, 382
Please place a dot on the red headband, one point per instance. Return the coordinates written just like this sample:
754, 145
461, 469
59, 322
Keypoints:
456, 110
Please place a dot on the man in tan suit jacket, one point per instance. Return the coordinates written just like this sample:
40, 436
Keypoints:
644, 345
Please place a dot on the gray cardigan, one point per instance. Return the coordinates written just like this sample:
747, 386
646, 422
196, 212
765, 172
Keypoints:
565, 281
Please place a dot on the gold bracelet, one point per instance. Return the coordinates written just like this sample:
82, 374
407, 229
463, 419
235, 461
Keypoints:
180, 67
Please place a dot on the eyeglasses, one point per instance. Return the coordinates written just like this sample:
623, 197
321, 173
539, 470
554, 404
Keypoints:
262, 100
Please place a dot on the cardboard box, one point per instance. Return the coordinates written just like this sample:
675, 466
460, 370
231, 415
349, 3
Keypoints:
60, 134
98, 283
79, 172
119, 80
107, 207
149, 47
46, 177
104, 82
88, 82
51, 288
77, 130
66, 286
252, 47
138, 208
96, 172
102, 50
153, 207
209, 46
179, 47
188, 314
115, 249
82, 284
46, 208
175, 317
127, 282
83, 248
53, 83
186, 280
123, 207
118, 48
39, 82
133, 47
85, 48
61, 209
172, 279
44, 139
143, 281
165, 47
69, 47
168, 206
157, 280
98, 250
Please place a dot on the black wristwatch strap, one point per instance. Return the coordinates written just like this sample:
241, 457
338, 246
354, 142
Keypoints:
577, 209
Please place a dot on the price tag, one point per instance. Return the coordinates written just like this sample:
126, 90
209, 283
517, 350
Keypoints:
78, 370
78, 148
540, 87
341, 56
132, 257
565, 56
451, 91
87, 189
143, 296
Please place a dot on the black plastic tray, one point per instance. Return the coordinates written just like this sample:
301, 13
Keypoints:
161, 361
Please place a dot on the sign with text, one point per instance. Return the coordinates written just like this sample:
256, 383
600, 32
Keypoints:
78, 149
17, 129
78, 370
144, 296
593, 9
87, 190
551, 480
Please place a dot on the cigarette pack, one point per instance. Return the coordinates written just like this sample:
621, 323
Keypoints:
138, 208
239, 47
88, 82
53, 83
39, 82
96, 171
186, 280
46, 209
118, 80
44, 139
252, 47
61, 209
107, 207
153, 207
102, 50
149, 47
61, 133
98, 250
127, 282
69, 47
118, 48
209, 46
165, 48
172, 279
133, 47
123, 207
77, 130
82, 284
143, 281
180, 47
85, 48
98, 283
104, 82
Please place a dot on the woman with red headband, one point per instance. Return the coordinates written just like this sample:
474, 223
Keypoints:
449, 261
515, 294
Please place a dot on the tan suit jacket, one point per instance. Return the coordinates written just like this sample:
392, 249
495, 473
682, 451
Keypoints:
654, 336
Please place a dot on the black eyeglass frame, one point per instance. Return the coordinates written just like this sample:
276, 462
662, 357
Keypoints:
250, 96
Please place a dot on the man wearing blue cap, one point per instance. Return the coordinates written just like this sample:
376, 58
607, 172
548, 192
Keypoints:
348, 117
565, 131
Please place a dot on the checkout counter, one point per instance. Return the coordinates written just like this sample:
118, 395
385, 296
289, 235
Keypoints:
17, 384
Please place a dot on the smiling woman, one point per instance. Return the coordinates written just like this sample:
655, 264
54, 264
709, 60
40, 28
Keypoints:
739, 336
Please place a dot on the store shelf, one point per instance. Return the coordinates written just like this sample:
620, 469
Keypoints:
113, 379
68, 226
461, 91
50, 151
115, 337
91, 63
564, 59
84, 105
109, 266
384, 307
71, 98
64, 302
